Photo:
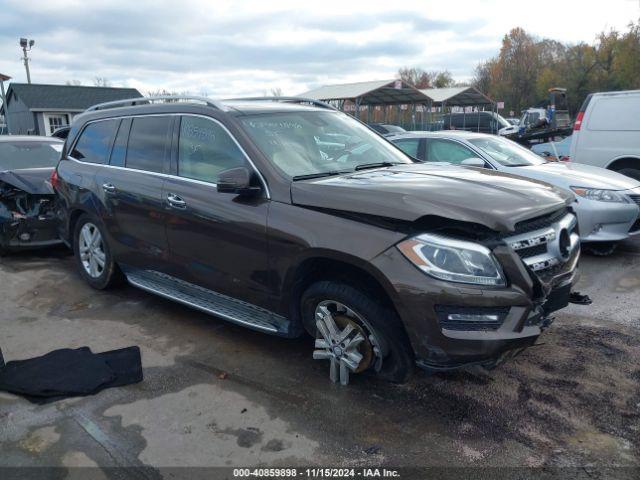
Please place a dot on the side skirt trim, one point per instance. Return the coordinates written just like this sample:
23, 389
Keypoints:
208, 301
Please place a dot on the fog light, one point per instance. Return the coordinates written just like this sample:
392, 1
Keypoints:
596, 228
469, 317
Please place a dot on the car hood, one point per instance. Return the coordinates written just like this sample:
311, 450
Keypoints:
30, 180
408, 192
567, 175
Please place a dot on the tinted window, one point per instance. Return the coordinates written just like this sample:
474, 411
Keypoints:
119, 150
206, 149
95, 142
29, 154
147, 143
446, 151
409, 146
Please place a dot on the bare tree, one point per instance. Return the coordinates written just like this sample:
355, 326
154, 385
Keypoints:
276, 92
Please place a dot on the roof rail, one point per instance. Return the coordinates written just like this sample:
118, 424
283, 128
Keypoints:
316, 103
130, 102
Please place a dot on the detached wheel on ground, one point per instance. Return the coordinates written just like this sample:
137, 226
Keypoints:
355, 333
93, 256
600, 249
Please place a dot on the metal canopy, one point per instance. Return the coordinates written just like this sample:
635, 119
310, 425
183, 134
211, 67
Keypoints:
457, 96
379, 92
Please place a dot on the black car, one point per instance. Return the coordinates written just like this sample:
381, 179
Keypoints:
27, 201
386, 129
288, 216
483, 122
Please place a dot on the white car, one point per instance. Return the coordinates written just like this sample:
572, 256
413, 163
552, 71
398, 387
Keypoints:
607, 203
606, 132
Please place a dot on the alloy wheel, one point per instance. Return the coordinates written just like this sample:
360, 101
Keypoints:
346, 340
91, 248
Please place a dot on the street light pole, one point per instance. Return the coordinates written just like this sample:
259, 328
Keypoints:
24, 43
4, 78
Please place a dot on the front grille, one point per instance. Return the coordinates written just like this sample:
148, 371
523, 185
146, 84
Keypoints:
539, 223
537, 241
443, 312
532, 251
635, 227
635, 198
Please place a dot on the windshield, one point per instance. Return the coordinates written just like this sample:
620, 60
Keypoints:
502, 122
315, 143
506, 152
29, 154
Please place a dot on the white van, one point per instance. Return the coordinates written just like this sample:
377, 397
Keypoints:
606, 132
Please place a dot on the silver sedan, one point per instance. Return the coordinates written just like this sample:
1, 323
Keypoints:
607, 203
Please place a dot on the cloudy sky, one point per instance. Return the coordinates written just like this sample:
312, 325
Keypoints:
222, 48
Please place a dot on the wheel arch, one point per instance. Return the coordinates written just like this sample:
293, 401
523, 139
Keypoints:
74, 215
333, 266
626, 161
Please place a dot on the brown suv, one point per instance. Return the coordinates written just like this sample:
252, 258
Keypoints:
286, 216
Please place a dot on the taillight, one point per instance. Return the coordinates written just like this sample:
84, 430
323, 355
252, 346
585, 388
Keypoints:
578, 122
55, 181
565, 158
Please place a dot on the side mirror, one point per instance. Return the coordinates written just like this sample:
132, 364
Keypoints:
237, 180
473, 162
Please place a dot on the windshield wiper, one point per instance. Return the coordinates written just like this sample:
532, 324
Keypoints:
364, 166
319, 175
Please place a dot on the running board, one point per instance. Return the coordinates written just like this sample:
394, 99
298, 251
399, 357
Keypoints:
208, 301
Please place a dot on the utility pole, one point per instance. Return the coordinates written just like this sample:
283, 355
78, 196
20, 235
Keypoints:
4, 78
24, 43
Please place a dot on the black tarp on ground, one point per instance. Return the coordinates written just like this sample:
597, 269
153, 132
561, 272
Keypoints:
70, 373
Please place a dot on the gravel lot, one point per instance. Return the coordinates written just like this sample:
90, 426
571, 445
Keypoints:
220, 395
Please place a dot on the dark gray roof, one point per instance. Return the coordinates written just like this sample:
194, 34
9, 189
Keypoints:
66, 97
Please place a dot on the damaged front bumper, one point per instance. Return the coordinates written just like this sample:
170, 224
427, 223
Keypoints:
453, 325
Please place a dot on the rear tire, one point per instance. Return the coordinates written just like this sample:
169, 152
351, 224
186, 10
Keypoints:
93, 255
600, 249
396, 354
630, 172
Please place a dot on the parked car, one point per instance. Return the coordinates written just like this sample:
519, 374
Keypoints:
61, 132
607, 202
606, 132
484, 122
27, 201
234, 209
386, 129
554, 151
513, 120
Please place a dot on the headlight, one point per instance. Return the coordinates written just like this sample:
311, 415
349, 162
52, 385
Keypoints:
600, 195
453, 260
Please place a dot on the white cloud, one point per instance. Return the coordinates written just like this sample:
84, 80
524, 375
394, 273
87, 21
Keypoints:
248, 47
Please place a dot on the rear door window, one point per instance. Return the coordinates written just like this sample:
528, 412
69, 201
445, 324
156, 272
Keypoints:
447, 151
206, 149
149, 140
94, 143
410, 146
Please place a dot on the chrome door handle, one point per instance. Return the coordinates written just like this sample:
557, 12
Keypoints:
175, 201
109, 187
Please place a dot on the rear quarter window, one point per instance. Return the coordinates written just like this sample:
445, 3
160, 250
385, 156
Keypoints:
94, 142
615, 113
